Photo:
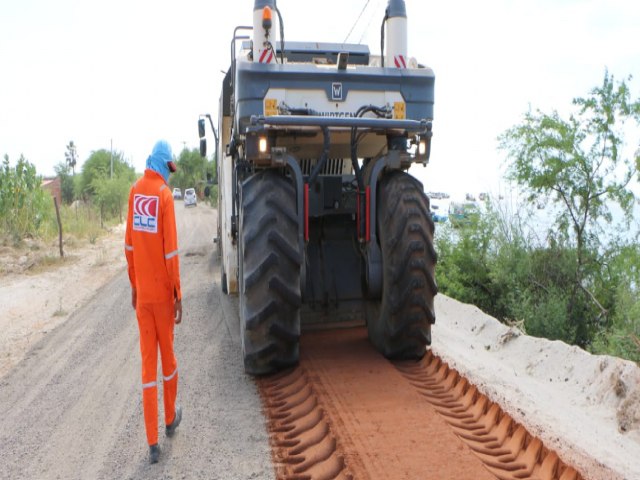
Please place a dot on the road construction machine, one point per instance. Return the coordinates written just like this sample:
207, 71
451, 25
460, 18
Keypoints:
320, 222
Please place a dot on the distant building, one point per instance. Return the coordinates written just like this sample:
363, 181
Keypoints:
54, 187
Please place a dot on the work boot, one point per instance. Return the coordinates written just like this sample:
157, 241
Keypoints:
154, 453
171, 428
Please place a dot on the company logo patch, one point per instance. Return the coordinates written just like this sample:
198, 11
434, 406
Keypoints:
145, 213
336, 91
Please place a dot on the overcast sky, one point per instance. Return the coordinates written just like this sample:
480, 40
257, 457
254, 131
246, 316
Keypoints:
127, 72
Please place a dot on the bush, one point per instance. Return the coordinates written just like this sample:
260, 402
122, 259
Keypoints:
25, 209
512, 276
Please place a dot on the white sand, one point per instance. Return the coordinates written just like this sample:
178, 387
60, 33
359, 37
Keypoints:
586, 407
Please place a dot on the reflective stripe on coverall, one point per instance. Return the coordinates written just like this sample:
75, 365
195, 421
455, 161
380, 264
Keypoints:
155, 321
151, 249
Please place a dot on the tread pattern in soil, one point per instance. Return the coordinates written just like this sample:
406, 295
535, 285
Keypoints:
304, 447
347, 413
506, 448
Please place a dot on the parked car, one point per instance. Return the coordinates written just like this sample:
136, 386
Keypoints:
461, 214
437, 214
190, 197
177, 193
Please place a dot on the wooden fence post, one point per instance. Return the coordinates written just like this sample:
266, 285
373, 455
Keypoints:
55, 202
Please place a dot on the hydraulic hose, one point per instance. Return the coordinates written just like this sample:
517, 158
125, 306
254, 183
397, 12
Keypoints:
323, 158
384, 20
361, 196
281, 33
355, 138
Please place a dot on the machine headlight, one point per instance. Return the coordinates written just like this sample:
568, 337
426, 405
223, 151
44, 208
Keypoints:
258, 148
262, 144
422, 147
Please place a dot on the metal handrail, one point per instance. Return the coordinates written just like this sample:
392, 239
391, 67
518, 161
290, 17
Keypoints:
419, 126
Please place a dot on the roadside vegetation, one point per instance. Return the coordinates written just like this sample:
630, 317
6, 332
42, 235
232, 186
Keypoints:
579, 280
194, 172
93, 198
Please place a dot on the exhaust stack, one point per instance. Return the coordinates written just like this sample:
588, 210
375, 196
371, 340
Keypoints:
264, 31
396, 47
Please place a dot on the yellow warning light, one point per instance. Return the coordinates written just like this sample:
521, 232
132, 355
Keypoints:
266, 18
399, 110
270, 107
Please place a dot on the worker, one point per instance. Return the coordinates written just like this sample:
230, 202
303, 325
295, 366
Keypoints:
151, 249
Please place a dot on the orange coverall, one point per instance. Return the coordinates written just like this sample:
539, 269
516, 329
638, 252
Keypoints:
151, 248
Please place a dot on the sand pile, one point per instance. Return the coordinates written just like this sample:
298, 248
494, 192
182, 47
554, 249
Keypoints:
586, 407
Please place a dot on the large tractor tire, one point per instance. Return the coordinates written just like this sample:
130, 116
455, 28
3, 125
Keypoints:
270, 261
399, 324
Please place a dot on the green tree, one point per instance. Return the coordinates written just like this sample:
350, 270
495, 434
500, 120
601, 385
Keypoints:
463, 263
579, 165
24, 206
111, 195
71, 157
619, 283
66, 182
99, 166
192, 169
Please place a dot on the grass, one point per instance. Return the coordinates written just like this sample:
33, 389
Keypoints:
80, 223
83, 222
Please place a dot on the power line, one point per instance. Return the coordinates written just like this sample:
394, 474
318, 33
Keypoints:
356, 22
371, 17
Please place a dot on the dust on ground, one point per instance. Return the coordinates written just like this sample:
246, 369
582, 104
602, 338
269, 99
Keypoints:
39, 290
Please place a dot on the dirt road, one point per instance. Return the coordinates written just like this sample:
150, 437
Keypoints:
347, 413
72, 408
70, 392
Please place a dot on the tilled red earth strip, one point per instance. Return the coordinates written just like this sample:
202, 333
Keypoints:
347, 413
504, 446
